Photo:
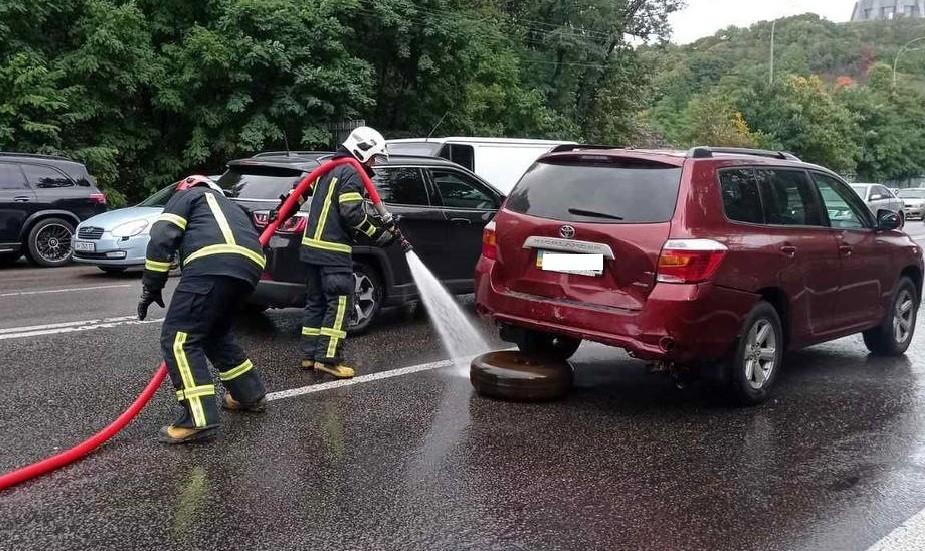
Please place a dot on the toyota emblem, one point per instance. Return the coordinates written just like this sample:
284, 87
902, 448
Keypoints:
567, 231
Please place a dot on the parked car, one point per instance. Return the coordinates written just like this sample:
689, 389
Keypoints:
498, 161
118, 240
879, 197
713, 262
913, 203
440, 206
42, 199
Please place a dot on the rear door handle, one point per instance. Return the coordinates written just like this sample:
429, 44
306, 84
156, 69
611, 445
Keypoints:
21, 199
846, 249
461, 221
789, 250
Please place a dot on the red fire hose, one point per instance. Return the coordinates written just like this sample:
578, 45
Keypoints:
287, 209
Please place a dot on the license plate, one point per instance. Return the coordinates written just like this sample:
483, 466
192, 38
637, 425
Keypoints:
583, 264
84, 246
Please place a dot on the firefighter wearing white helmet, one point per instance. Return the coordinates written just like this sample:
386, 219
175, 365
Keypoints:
335, 220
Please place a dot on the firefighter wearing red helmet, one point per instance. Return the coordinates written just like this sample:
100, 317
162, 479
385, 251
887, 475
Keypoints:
216, 244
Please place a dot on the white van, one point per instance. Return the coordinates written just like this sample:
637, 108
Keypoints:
500, 161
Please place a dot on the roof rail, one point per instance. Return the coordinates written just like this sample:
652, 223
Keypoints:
705, 152
288, 153
34, 156
578, 147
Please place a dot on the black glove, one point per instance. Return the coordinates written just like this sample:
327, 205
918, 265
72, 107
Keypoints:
148, 295
385, 239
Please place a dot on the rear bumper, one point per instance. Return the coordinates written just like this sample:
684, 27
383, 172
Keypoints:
679, 323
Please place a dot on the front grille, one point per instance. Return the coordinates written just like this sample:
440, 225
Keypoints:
90, 232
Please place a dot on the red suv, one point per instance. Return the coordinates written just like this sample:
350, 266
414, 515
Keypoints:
711, 258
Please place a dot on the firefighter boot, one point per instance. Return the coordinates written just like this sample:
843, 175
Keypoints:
230, 404
308, 365
339, 371
172, 434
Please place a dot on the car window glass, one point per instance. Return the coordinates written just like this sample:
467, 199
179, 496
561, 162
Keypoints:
45, 177
788, 198
401, 186
883, 192
460, 191
11, 177
160, 198
259, 182
740, 196
842, 206
463, 155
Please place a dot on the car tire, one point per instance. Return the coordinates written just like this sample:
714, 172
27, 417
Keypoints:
367, 298
894, 335
112, 269
546, 345
519, 377
49, 242
757, 359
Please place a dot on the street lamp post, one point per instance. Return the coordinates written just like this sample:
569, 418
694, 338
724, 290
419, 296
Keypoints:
901, 51
771, 76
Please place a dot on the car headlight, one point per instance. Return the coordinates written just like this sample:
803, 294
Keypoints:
129, 229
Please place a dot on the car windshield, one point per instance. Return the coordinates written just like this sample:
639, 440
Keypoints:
608, 192
259, 182
912, 194
159, 198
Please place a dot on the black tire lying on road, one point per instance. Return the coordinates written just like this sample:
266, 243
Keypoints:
519, 377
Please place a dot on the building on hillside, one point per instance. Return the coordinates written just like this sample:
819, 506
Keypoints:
884, 10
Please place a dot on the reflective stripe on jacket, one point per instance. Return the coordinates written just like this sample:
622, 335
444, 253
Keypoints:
336, 211
208, 233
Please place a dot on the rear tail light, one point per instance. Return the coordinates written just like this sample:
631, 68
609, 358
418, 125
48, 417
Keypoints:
295, 224
690, 260
489, 242
261, 218
98, 198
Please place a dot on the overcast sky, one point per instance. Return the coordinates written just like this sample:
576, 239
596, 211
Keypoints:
705, 17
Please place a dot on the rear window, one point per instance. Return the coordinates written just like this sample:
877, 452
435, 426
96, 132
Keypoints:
628, 192
259, 182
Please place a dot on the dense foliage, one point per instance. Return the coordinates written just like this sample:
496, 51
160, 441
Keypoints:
832, 100
145, 91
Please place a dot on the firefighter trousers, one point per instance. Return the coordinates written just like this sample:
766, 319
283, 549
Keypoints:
197, 327
327, 308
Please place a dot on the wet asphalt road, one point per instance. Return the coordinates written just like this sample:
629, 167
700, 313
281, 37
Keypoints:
418, 461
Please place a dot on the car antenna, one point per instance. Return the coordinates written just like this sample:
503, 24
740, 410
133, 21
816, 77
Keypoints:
286, 140
436, 126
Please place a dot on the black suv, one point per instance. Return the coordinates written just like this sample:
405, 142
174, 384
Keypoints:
42, 199
440, 206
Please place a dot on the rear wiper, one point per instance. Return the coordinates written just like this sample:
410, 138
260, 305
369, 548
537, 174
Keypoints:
594, 214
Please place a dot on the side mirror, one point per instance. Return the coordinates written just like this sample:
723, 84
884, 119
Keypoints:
888, 220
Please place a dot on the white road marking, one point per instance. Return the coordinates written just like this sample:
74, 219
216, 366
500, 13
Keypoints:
282, 394
71, 327
67, 290
909, 536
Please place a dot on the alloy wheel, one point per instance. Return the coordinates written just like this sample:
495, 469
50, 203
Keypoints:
903, 316
53, 243
760, 354
364, 299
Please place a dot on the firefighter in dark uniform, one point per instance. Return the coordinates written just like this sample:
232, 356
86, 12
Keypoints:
336, 214
215, 242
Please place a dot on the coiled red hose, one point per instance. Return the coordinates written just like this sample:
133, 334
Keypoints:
81, 450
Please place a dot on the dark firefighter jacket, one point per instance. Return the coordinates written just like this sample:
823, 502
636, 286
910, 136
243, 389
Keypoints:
213, 236
336, 211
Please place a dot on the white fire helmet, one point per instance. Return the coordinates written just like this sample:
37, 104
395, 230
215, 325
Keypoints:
364, 143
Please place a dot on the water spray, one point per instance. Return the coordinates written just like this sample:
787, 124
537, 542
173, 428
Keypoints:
288, 206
